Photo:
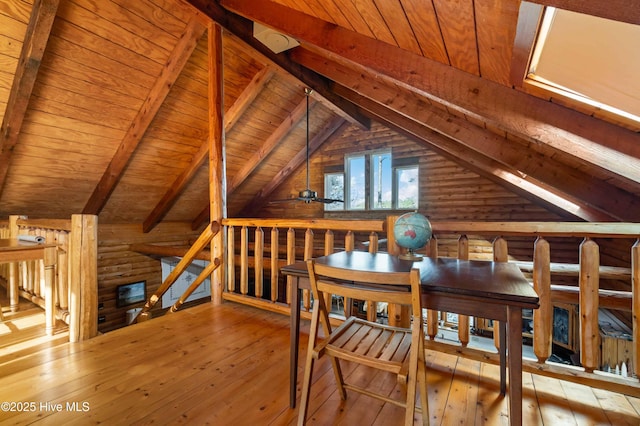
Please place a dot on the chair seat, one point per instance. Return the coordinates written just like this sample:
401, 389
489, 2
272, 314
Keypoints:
372, 344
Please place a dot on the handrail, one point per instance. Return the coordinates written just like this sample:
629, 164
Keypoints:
525, 243
203, 240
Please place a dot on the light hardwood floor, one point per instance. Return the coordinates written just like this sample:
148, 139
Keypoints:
228, 365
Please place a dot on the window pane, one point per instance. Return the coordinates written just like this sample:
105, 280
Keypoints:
334, 189
407, 193
381, 193
355, 172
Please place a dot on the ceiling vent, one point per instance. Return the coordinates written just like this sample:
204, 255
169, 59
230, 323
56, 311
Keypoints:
274, 40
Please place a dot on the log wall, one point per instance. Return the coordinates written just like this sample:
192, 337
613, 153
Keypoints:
119, 264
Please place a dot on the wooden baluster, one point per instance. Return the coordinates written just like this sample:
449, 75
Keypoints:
543, 316
258, 255
463, 320
291, 258
349, 241
635, 291
500, 254
63, 271
372, 307
373, 243
589, 283
329, 242
308, 254
244, 260
275, 267
432, 316
231, 260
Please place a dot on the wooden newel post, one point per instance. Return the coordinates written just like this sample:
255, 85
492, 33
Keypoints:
83, 277
589, 283
635, 290
543, 316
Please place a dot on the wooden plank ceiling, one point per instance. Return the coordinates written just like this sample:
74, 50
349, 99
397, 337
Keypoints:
104, 104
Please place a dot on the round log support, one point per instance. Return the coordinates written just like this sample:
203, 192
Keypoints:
589, 282
543, 316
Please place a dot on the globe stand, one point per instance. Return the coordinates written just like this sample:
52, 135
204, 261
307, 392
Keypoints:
411, 255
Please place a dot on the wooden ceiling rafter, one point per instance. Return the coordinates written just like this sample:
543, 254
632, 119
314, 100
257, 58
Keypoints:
150, 107
477, 161
332, 128
36, 38
620, 205
592, 141
242, 29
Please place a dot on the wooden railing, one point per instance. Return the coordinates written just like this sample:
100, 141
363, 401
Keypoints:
75, 289
191, 254
570, 273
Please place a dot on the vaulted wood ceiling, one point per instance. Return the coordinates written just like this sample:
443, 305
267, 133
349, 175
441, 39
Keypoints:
104, 104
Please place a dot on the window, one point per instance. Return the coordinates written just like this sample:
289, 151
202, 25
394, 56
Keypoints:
334, 189
590, 60
373, 181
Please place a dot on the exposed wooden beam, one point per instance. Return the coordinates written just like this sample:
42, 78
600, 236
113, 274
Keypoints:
587, 139
230, 118
616, 10
243, 30
272, 141
37, 34
217, 160
172, 69
603, 196
329, 129
523, 185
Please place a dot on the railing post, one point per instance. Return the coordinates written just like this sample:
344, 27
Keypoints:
308, 254
83, 276
589, 282
635, 308
543, 316
329, 241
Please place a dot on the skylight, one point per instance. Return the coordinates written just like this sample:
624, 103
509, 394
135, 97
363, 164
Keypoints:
588, 59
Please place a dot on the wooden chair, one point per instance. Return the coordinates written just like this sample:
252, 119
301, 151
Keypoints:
393, 349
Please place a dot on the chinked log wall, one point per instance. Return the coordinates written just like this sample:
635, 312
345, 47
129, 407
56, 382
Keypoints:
76, 283
259, 247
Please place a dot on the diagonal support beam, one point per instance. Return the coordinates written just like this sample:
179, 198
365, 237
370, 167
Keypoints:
38, 30
176, 62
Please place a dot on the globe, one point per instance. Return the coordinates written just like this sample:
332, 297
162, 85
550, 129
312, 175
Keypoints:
412, 231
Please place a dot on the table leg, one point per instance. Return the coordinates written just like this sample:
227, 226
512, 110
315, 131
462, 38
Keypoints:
503, 357
294, 340
515, 364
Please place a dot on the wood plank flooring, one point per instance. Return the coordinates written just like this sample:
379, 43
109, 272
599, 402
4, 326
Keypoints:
228, 365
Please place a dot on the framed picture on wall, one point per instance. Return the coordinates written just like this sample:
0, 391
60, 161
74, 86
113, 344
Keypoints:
128, 294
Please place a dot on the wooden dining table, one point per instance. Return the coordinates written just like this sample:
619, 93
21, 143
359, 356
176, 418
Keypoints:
485, 289
15, 250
